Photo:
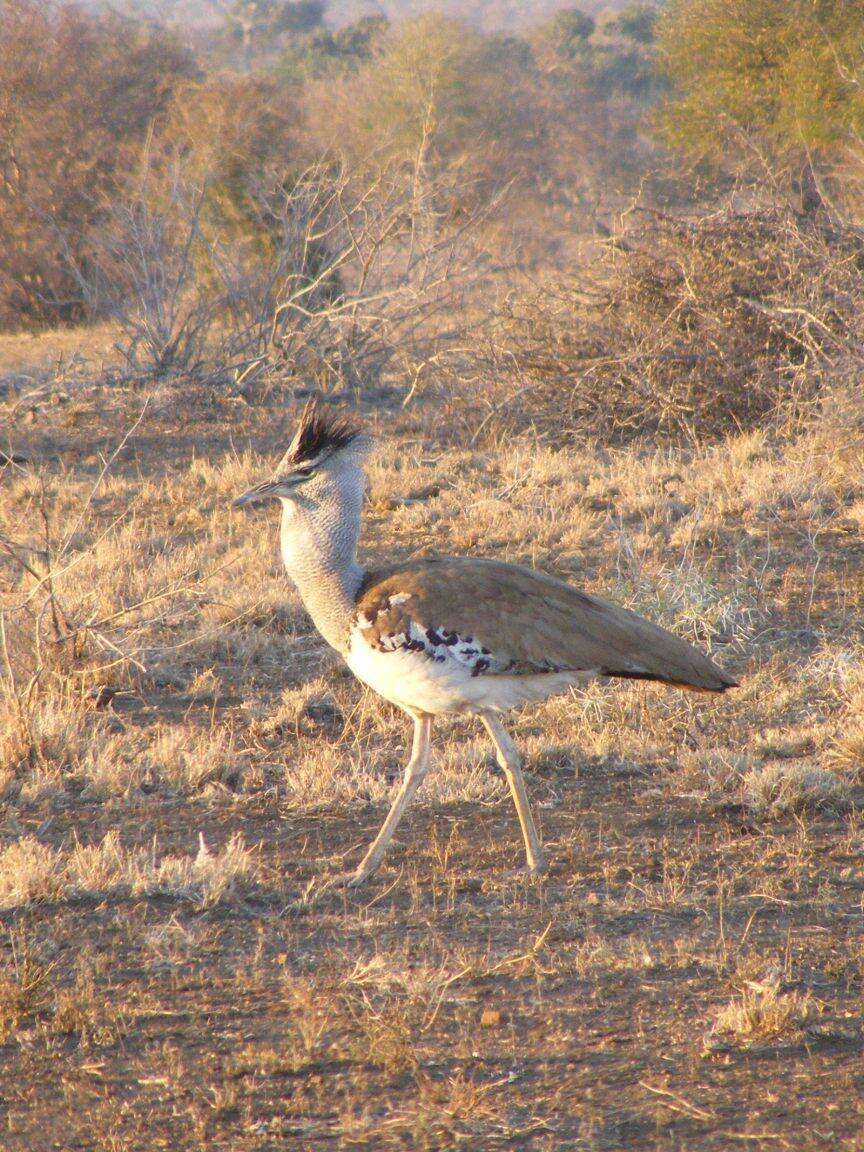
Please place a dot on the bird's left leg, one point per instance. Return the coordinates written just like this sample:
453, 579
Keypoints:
415, 770
510, 763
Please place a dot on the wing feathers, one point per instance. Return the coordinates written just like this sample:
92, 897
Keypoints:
531, 620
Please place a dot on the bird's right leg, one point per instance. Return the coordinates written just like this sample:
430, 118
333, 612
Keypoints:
415, 770
510, 763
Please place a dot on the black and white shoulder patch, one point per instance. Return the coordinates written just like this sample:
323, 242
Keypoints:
439, 645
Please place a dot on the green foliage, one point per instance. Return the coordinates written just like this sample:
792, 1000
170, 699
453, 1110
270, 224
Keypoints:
638, 23
784, 78
300, 16
569, 32
625, 71
616, 59
326, 52
257, 23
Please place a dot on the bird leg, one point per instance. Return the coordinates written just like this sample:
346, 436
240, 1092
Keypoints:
510, 763
415, 770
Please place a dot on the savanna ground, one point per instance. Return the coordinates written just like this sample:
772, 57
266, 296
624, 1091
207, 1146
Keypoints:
190, 763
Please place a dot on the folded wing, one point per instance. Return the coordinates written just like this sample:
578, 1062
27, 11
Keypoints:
516, 621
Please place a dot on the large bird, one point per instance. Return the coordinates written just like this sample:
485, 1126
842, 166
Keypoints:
453, 634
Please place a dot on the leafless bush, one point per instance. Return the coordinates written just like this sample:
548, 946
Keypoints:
142, 274
329, 280
184, 300
692, 326
374, 286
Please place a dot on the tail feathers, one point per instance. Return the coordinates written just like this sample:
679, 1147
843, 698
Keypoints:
713, 679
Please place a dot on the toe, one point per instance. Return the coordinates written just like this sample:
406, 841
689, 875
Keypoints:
348, 879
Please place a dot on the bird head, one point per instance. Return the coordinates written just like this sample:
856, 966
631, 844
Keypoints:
324, 458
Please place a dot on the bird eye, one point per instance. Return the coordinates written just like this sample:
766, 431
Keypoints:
302, 473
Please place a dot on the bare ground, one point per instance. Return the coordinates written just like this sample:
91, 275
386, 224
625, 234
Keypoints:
688, 976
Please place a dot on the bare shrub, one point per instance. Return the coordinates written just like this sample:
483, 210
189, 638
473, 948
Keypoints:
186, 300
142, 275
691, 326
328, 279
375, 290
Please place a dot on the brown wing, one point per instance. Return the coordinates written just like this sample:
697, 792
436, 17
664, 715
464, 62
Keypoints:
528, 622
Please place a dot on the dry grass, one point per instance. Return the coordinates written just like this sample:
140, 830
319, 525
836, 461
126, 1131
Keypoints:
781, 788
34, 872
761, 1012
25, 983
167, 682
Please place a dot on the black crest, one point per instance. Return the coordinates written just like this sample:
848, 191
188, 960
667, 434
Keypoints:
320, 431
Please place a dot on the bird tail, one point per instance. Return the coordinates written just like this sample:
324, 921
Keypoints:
715, 680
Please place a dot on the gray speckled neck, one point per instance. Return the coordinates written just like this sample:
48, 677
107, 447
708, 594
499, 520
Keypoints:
319, 548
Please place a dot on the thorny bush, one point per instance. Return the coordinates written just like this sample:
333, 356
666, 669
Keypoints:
691, 326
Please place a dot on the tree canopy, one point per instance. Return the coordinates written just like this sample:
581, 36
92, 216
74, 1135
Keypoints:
777, 81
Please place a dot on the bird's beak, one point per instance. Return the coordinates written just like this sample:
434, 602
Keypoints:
257, 495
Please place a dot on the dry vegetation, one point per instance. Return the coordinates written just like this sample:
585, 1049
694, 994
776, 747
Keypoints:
666, 410
688, 324
181, 761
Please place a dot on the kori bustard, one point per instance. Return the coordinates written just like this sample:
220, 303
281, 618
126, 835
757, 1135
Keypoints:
448, 635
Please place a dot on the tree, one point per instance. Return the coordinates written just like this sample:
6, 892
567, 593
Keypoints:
79, 94
615, 59
256, 24
435, 100
595, 83
324, 52
775, 84
567, 36
231, 136
637, 22
625, 61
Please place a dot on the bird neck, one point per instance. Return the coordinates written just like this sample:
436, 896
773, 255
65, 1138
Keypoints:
319, 549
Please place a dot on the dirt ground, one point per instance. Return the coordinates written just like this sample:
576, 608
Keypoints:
189, 764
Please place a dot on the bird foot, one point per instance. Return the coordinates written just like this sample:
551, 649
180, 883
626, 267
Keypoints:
534, 871
318, 889
348, 879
